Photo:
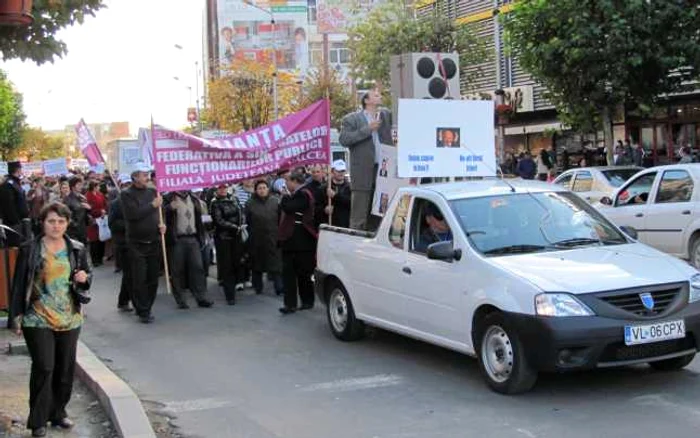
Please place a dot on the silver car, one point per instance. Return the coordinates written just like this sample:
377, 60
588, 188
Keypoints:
592, 183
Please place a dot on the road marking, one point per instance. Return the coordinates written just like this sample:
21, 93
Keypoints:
527, 433
201, 404
356, 384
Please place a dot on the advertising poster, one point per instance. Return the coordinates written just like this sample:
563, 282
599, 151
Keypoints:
55, 167
246, 32
337, 16
388, 180
446, 138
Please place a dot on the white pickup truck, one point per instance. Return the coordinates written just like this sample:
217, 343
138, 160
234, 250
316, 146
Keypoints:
525, 276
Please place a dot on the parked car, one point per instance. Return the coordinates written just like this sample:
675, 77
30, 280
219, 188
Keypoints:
592, 183
529, 278
663, 205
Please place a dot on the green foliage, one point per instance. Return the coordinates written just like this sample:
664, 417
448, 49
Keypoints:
11, 117
393, 29
595, 55
36, 145
317, 87
38, 42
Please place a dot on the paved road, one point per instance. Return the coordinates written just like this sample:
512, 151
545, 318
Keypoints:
246, 371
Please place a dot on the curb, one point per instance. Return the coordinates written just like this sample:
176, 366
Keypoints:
116, 397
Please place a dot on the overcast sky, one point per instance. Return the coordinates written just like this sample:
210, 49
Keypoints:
119, 67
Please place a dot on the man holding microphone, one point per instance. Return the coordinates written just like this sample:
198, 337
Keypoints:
363, 132
141, 207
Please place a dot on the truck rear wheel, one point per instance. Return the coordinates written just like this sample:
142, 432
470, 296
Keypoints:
501, 357
341, 315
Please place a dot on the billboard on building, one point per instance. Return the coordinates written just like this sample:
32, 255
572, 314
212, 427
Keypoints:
337, 16
246, 32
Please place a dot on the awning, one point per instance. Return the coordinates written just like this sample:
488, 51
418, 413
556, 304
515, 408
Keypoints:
533, 129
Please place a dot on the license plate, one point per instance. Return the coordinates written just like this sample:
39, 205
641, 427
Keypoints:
662, 331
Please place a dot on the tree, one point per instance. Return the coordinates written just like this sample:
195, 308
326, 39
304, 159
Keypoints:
38, 41
36, 145
242, 98
317, 86
393, 29
594, 56
11, 117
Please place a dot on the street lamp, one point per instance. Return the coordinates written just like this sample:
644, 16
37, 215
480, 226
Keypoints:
196, 82
274, 53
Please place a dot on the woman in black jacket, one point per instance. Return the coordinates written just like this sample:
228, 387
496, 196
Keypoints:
227, 215
79, 208
262, 217
51, 281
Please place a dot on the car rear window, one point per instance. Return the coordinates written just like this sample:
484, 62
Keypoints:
617, 177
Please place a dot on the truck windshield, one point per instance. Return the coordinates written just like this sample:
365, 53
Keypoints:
523, 223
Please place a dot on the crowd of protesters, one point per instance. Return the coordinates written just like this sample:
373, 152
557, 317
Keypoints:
263, 227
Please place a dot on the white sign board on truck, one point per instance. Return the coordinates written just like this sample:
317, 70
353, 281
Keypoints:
446, 138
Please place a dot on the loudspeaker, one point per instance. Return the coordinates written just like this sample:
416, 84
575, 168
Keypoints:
424, 76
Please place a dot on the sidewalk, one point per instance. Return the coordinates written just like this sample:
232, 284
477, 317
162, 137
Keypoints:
90, 419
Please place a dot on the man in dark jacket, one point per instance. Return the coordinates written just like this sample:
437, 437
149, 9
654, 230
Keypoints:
185, 238
297, 237
340, 194
316, 184
527, 169
227, 215
117, 225
14, 210
140, 206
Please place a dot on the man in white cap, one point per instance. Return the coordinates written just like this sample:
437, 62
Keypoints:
340, 194
140, 205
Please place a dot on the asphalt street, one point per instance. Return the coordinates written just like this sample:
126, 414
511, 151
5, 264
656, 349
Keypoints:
246, 371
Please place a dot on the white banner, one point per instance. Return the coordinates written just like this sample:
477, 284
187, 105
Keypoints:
81, 163
3, 168
33, 168
387, 180
55, 167
446, 138
129, 155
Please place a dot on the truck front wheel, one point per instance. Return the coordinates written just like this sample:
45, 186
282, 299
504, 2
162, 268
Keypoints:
501, 356
341, 315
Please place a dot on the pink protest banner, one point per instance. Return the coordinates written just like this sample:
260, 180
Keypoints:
185, 162
87, 144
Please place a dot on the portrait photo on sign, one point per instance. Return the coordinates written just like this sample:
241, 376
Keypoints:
384, 168
383, 203
447, 137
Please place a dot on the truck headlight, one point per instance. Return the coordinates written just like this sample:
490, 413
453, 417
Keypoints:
694, 289
560, 304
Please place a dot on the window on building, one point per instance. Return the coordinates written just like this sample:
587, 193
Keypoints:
311, 11
339, 53
316, 51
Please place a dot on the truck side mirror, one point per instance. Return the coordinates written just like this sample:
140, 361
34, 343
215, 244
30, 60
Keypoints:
444, 251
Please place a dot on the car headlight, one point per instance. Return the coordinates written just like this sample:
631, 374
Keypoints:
558, 304
694, 289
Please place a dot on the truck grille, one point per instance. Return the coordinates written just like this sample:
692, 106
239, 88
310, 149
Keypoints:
619, 352
632, 302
